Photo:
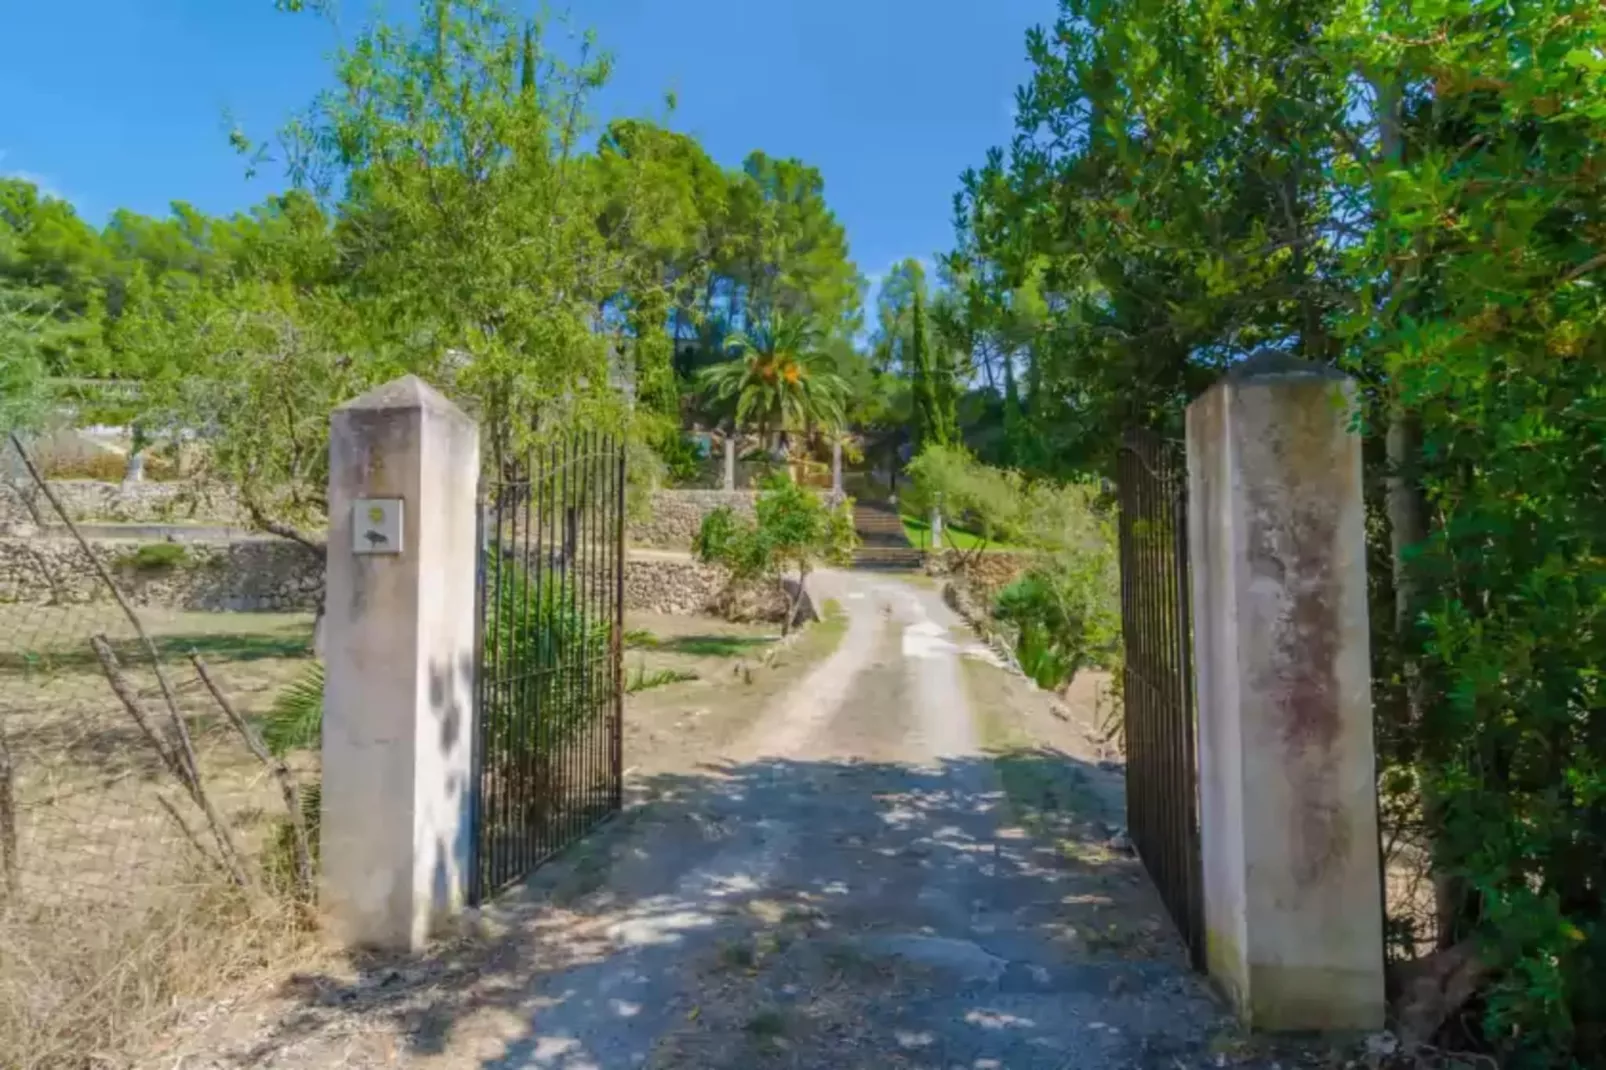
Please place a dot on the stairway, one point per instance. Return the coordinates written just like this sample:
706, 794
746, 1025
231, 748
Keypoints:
883, 544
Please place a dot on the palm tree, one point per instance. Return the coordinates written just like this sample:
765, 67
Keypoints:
778, 380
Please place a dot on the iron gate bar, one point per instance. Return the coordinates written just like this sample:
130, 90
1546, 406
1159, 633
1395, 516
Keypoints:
1160, 723
548, 754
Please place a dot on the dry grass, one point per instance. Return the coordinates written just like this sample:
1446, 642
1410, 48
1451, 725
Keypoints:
111, 917
84, 986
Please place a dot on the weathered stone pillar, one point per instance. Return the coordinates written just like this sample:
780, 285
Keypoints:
1288, 804
936, 529
399, 714
730, 461
836, 466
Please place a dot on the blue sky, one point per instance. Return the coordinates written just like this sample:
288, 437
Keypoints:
122, 103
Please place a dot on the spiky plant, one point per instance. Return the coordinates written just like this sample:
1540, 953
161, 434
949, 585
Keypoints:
295, 720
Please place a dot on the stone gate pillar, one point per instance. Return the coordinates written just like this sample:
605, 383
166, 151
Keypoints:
1287, 792
730, 461
399, 711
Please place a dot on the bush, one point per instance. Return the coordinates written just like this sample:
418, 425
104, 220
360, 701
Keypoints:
535, 626
794, 532
684, 462
984, 500
1064, 614
155, 557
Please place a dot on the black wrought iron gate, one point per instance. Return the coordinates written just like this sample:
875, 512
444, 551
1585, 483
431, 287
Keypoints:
548, 758
1157, 625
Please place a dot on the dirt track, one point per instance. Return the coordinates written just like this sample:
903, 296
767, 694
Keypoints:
902, 860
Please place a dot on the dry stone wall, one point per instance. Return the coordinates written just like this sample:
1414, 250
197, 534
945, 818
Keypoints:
273, 575
254, 575
683, 586
672, 518
89, 500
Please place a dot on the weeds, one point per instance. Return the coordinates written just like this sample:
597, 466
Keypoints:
154, 557
644, 679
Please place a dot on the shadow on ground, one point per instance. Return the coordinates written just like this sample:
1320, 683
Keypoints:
797, 914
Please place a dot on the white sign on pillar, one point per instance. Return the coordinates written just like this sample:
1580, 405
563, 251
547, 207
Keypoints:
376, 526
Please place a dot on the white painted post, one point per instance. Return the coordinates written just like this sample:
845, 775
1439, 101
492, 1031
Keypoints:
730, 461
936, 529
1288, 805
399, 712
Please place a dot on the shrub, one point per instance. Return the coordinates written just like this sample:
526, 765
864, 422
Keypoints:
154, 557
950, 481
683, 460
535, 626
794, 532
1064, 614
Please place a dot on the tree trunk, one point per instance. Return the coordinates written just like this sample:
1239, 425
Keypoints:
794, 602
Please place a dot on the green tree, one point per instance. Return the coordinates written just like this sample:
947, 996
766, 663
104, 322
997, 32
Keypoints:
935, 392
794, 532
1412, 192
950, 481
778, 382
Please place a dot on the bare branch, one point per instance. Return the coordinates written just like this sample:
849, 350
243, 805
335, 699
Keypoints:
180, 759
281, 772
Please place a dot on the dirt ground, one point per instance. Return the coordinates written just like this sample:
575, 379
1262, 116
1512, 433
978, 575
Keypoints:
880, 851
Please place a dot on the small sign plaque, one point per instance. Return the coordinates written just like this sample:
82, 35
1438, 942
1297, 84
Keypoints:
376, 526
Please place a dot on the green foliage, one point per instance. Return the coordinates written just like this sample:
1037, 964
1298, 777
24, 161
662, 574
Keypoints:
295, 719
936, 423
154, 557
1065, 614
535, 626
644, 679
449, 219
683, 461
1412, 192
794, 532
778, 381
985, 501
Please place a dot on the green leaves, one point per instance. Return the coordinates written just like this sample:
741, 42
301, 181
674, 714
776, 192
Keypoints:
295, 720
1414, 193
794, 531
778, 380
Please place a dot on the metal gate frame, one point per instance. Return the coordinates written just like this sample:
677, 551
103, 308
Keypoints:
1161, 725
548, 750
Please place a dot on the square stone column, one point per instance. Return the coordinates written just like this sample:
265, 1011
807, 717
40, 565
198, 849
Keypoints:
399, 699
730, 461
1287, 781
836, 466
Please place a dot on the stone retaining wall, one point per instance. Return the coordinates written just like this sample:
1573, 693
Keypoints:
266, 575
273, 575
673, 517
146, 503
668, 585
